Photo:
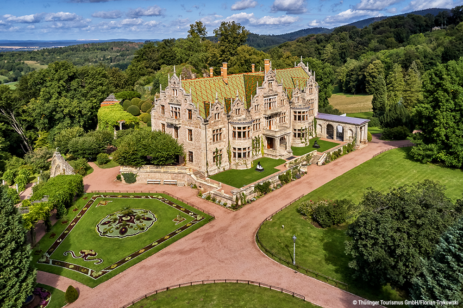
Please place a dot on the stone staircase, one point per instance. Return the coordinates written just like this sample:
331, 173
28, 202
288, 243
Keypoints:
315, 158
199, 175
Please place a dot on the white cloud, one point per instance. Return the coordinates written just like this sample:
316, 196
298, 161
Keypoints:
71, 24
290, 6
132, 22
211, 20
349, 15
134, 25
426, 4
392, 10
375, 5
243, 4
30, 27
33, 18
149, 11
266, 20
62, 16
10, 29
108, 14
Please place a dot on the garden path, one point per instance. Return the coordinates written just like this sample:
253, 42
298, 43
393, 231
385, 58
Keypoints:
224, 248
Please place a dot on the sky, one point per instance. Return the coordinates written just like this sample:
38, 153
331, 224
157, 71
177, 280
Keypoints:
143, 19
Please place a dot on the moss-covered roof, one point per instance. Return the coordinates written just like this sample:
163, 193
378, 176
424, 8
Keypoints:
204, 90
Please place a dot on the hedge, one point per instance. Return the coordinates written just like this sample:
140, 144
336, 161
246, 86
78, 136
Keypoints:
146, 106
145, 117
129, 178
133, 110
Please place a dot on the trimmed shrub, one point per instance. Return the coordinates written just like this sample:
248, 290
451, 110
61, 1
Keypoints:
396, 133
146, 106
118, 177
263, 188
133, 110
102, 159
71, 295
130, 177
369, 137
127, 103
127, 95
329, 213
145, 117
80, 166
136, 101
285, 178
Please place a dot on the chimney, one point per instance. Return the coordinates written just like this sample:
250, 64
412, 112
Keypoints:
224, 72
211, 72
253, 65
267, 65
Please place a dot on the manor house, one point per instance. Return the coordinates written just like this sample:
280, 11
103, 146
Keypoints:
228, 121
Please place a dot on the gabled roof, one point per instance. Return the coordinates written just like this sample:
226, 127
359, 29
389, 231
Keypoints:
341, 119
204, 90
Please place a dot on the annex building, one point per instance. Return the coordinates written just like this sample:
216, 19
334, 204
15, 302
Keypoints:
228, 121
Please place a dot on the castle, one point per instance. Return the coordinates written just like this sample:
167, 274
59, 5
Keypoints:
228, 121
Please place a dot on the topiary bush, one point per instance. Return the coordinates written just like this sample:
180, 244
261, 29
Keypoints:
130, 177
71, 295
133, 110
369, 137
145, 117
102, 159
127, 103
118, 177
146, 106
136, 101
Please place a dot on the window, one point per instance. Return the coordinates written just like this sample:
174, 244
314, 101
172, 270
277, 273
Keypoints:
176, 132
163, 127
270, 102
256, 125
269, 122
241, 153
216, 135
190, 114
163, 109
174, 92
217, 116
175, 112
241, 132
300, 116
270, 84
217, 156
190, 135
299, 133
282, 118
256, 107
237, 111
311, 89
190, 156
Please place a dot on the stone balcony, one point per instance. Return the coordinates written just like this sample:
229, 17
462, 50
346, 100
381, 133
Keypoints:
268, 112
277, 131
174, 122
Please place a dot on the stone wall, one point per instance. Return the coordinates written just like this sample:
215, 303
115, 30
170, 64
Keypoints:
59, 166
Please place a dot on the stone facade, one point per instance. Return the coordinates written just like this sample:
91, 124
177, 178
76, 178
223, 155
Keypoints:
59, 166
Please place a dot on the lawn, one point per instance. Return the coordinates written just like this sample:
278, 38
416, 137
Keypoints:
111, 164
12, 85
222, 295
375, 130
362, 115
240, 178
350, 103
324, 145
115, 250
57, 297
322, 250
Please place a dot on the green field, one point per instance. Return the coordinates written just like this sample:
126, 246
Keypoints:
57, 297
111, 250
324, 145
375, 130
36, 65
12, 85
230, 295
322, 250
240, 178
362, 115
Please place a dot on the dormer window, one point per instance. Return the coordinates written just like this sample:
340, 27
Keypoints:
217, 116
237, 111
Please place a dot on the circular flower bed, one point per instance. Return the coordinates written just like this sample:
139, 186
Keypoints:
125, 223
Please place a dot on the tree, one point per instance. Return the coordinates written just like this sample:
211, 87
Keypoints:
327, 53
86, 147
395, 84
231, 35
198, 29
325, 77
441, 277
17, 275
440, 116
396, 229
372, 72
412, 90
65, 136
244, 58
379, 100
117, 79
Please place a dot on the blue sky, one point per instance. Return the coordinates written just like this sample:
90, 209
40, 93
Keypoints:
142, 19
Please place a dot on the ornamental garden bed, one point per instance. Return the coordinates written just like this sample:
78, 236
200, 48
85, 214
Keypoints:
111, 232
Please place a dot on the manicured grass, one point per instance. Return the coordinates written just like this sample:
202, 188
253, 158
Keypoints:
222, 295
324, 145
362, 115
57, 296
375, 130
240, 178
89, 171
350, 103
322, 250
85, 237
111, 164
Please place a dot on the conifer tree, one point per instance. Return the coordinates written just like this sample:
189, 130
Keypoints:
17, 277
372, 72
442, 276
395, 84
379, 101
412, 91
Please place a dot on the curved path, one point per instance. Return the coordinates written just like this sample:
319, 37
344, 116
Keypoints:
224, 248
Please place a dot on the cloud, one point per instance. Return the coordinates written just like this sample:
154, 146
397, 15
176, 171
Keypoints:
243, 4
290, 6
133, 25
62, 16
132, 22
349, 15
375, 5
426, 4
34, 18
83, 23
266, 20
211, 19
392, 10
149, 11
108, 14
10, 29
